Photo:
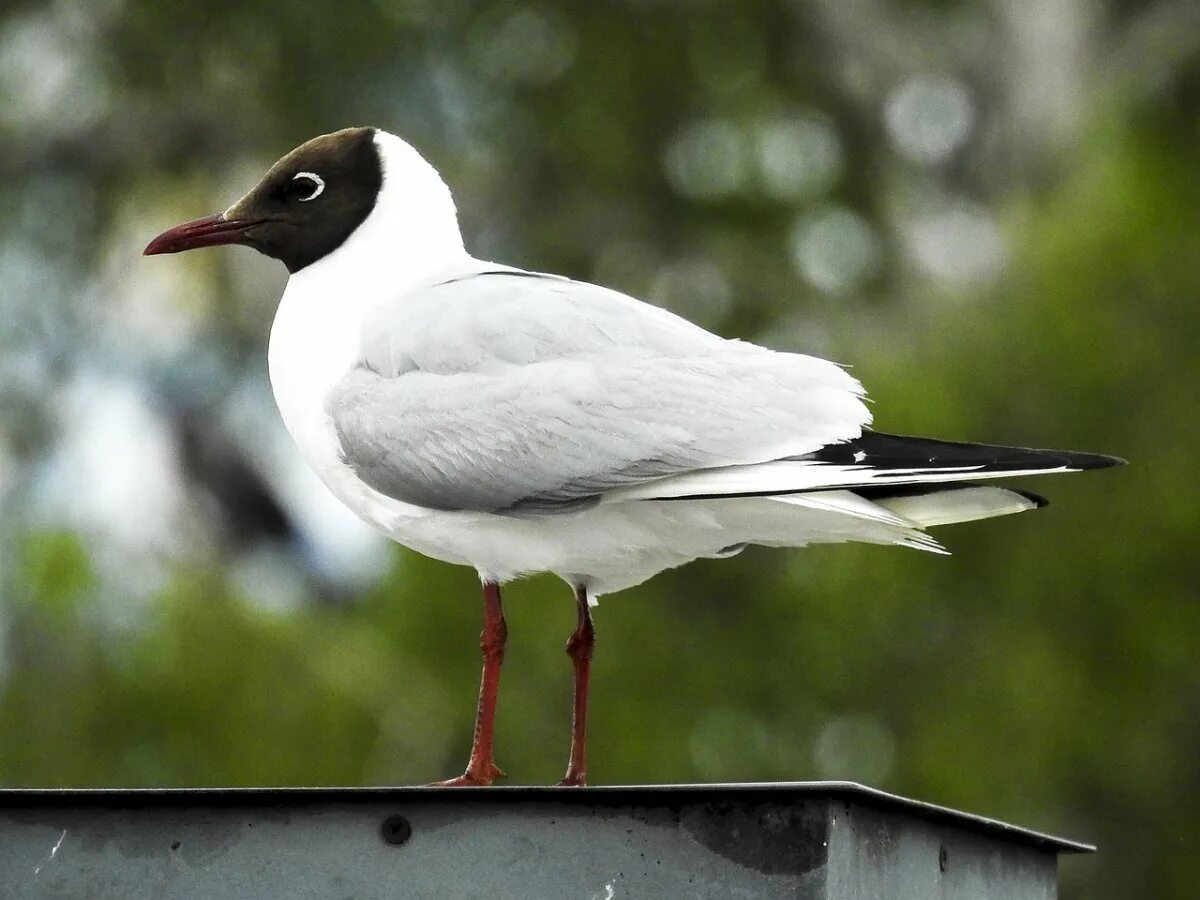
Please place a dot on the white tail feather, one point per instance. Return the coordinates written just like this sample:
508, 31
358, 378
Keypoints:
845, 503
796, 476
957, 505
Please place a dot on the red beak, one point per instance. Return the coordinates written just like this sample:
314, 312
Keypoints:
207, 232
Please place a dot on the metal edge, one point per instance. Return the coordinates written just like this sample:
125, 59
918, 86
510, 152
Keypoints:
614, 795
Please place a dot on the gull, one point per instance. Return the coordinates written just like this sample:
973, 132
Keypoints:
518, 422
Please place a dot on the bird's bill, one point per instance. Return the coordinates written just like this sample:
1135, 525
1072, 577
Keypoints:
211, 231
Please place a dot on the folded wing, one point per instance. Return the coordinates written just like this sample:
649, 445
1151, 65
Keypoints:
554, 434
497, 389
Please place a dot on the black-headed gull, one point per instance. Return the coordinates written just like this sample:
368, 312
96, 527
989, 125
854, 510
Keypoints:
518, 422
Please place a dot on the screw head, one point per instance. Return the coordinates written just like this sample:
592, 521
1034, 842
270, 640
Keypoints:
395, 830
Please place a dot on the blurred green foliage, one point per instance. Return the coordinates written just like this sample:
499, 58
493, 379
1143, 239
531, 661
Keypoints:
1048, 672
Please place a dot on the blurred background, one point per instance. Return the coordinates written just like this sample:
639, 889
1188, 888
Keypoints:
991, 210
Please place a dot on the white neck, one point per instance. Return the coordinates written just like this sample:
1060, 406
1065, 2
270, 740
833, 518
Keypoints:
411, 232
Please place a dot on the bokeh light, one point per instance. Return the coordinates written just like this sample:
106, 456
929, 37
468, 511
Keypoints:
798, 157
835, 249
930, 118
708, 159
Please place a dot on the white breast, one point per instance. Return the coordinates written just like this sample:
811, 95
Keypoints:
310, 350
313, 345
315, 340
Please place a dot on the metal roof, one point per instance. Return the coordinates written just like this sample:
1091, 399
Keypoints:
605, 795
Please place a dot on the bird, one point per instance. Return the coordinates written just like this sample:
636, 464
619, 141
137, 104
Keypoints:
519, 422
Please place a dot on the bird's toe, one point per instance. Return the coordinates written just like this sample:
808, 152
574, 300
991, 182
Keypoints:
466, 779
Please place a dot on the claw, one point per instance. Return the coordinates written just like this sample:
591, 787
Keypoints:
466, 779
475, 776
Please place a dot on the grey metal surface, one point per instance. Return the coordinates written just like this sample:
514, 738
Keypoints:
878, 854
807, 840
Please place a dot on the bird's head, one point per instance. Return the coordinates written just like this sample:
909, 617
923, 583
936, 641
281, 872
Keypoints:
315, 198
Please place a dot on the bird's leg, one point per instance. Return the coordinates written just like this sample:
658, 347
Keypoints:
579, 648
481, 768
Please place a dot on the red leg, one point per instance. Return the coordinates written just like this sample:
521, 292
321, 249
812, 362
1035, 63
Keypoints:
481, 768
579, 648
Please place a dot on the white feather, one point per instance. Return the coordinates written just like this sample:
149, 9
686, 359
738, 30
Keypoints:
957, 505
795, 476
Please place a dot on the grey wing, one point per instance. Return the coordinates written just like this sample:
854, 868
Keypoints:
554, 434
487, 318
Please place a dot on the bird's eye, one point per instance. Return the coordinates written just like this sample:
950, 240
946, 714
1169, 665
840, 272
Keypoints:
307, 186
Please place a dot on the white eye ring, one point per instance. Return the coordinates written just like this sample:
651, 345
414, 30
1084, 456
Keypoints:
317, 180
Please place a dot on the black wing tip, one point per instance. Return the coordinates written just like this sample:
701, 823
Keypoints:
1073, 460
880, 450
1085, 461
